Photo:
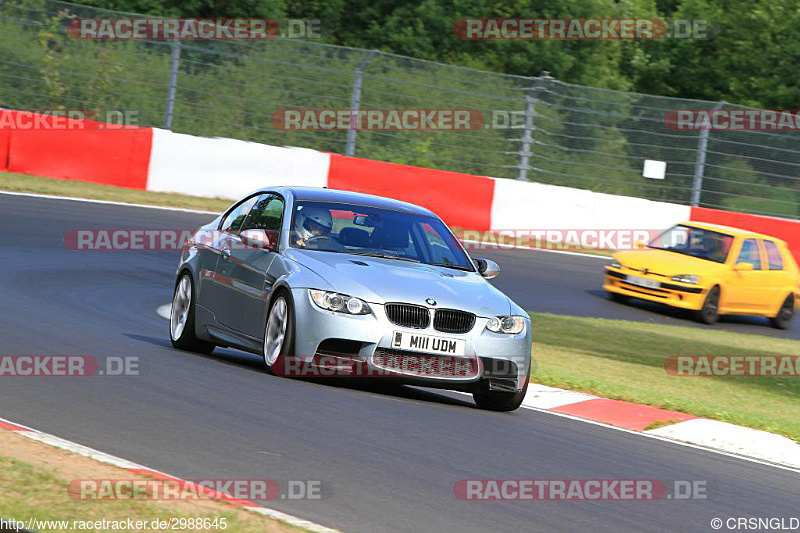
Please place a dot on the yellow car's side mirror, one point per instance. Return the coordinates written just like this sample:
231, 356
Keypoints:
743, 267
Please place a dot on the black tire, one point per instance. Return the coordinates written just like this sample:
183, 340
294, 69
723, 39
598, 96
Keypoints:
709, 313
498, 401
277, 366
619, 298
785, 314
187, 339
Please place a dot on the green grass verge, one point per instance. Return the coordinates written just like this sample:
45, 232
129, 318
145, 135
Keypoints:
35, 184
625, 360
35, 491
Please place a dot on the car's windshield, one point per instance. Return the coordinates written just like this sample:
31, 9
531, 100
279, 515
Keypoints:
697, 242
371, 231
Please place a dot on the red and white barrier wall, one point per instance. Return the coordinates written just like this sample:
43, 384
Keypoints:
57, 147
160, 160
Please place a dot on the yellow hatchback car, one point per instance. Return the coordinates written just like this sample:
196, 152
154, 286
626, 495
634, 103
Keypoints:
712, 270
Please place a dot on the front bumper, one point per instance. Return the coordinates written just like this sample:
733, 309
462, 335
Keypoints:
680, 295
504, 360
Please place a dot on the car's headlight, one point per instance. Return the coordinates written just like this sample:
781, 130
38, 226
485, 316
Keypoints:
506, 324
686, 278
615, 264
341, 303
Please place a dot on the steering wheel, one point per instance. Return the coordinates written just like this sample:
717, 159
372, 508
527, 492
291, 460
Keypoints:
317, 239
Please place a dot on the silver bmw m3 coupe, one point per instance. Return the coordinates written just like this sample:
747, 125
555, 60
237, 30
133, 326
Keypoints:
326, 283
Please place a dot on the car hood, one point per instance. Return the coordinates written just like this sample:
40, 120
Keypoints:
380, 280
665, 263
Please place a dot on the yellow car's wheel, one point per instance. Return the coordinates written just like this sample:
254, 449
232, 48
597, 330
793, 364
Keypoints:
785, 314
709, 313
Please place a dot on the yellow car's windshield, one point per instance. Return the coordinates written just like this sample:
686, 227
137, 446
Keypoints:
696, 242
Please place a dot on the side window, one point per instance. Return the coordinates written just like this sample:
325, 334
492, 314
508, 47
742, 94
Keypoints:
773, 256
266, 214
233, 220
750, 254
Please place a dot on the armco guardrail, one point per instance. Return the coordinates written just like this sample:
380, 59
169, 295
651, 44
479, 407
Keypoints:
160, 160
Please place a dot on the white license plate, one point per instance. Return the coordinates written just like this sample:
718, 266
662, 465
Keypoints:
643, 282
428, 343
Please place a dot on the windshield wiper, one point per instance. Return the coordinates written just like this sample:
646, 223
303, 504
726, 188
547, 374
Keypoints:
384, 256
686, 252
456, 267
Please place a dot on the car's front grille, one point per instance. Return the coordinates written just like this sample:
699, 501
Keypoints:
424, 364
408, 316
453, 321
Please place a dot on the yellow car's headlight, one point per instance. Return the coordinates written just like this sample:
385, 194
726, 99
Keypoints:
686, 278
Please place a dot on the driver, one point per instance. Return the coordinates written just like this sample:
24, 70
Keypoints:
312, 222
715, 249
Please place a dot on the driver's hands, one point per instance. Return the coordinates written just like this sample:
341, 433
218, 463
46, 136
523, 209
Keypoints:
301, 243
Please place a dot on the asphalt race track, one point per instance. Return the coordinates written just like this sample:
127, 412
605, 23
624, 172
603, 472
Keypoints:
387, 460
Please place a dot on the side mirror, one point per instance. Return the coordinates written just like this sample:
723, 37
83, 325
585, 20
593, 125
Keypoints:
743, 267
639, 245
260, 238
487, 268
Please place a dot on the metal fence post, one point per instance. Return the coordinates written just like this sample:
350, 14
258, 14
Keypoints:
531, 99
173, 82
700, 162
350, 147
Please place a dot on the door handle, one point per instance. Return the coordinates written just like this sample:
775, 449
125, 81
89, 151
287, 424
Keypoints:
226, 254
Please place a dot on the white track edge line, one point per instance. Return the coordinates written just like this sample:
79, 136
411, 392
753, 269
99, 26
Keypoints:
670, 440
291, 520
92, 453
109, 202
660, 438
